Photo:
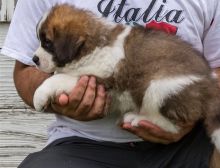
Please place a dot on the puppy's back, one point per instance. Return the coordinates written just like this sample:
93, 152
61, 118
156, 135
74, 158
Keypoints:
163, 54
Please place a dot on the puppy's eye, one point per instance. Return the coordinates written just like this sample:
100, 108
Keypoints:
48, 45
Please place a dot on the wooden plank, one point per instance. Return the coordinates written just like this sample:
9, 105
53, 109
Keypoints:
10, 9
7, 9
22, 130
3, 9
3, 32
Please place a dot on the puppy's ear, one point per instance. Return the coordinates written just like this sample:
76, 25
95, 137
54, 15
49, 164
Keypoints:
68, 48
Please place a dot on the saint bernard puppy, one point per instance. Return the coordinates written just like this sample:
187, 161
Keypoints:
150, 75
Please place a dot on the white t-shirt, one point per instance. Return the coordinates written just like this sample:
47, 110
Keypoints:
197, 22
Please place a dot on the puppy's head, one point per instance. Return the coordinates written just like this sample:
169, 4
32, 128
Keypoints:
62, 33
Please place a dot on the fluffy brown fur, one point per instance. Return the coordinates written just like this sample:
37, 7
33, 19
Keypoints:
78, 41
149, 55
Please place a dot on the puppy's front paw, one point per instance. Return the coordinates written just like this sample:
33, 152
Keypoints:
41, 99
53, 86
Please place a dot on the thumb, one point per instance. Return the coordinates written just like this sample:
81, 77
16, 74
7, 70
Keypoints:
62, 100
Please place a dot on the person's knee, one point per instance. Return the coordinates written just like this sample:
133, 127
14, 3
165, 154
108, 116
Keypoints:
58, 159
27, 162
43, 159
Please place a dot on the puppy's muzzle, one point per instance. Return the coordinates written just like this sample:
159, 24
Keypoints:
36, 60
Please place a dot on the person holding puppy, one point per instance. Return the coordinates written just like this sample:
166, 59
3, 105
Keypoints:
89, 137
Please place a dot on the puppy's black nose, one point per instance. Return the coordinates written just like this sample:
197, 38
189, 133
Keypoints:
36, 60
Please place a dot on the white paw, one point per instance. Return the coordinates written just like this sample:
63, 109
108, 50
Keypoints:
161, 122
129, 117
41, 99
53, 86
133, 118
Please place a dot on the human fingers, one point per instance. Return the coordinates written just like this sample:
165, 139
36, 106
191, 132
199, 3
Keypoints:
59, 103
154, 130
61, 100
88, 98
108, 100
98, 108
142, 133
78, 91
159, 133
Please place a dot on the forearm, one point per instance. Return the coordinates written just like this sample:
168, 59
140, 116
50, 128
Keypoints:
27, 79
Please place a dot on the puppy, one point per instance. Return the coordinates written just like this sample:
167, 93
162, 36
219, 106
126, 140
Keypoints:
151, 75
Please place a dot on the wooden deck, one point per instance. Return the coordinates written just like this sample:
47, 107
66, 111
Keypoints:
22, 130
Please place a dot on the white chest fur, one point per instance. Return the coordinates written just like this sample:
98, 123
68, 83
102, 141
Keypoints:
102, 62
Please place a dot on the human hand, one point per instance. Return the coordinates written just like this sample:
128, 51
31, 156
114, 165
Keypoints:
86, 102
150, 132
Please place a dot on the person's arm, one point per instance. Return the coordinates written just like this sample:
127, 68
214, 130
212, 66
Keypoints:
86, 102
27, 79
150, 132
